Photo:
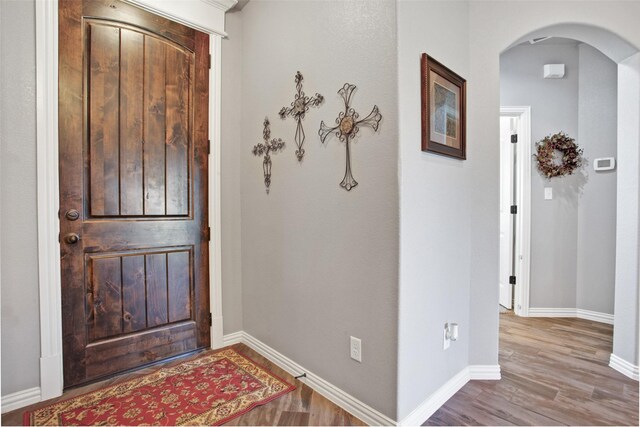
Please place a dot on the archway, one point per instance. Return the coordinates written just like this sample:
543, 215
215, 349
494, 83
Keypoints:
624, 357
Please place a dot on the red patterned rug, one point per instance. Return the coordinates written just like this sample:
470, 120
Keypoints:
209, 390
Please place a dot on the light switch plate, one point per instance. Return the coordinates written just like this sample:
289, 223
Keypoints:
548, 193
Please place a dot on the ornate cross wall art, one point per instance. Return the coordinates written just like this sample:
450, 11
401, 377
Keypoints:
266, 148
347, 128
298, 109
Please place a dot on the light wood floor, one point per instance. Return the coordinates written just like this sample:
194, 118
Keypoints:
554, 372
302, 406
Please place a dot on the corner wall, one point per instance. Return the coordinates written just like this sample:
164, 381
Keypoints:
320, 264
436, 211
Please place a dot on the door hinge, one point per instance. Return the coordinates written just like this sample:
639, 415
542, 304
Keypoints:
514, 138
58, 237
209, 61
208, 234
210, 319
514, 209
512, 280
208, 146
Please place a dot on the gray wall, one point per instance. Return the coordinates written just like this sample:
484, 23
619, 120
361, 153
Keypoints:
230, 173
319, 263
554, 108
597, 121
435, 236
573, 235
18, 221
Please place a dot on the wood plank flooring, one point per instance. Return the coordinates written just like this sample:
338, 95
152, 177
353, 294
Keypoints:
554, 372
303, 406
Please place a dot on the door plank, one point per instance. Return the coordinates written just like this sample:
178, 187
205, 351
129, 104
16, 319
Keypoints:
179, 286
155, 126
133, 93
134, 309
105, 298
131, 121
178, 80
103, 123
156, 289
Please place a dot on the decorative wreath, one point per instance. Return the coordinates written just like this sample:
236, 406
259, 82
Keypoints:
571, 155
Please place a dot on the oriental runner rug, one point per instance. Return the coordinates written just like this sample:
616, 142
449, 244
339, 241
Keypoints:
209, 390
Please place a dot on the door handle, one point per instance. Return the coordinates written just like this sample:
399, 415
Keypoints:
72, 238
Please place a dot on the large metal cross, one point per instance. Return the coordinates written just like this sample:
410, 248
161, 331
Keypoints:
347, 128
299, 107
269, 146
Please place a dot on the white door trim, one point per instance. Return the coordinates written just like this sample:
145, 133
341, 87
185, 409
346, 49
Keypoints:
523, 201
49, 281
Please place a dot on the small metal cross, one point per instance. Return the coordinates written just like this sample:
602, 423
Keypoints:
269, 146
299, 107
347, 128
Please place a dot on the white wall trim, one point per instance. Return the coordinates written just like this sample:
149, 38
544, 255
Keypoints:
626, 368
323, 387
484, 372
523, 219
233, 338
47, 197
215, 208
203, 15
595, 316
51, 373
572, 312
20, 399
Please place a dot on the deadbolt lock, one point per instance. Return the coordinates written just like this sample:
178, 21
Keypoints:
72, 215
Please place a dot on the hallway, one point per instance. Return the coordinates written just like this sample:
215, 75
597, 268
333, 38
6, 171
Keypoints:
554, 372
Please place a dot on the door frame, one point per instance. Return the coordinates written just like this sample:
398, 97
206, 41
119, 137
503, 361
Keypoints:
49, 280
523, 201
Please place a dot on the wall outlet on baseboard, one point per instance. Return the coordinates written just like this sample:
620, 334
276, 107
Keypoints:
356, 349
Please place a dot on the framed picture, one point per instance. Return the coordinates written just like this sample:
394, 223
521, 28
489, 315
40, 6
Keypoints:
443, 109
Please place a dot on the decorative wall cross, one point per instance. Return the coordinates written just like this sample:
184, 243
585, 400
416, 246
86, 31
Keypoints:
298, 109
347, 128
266, 148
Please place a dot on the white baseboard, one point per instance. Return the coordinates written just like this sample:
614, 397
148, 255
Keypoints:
19, 399
594, 316
233, 338
323, 387
626, 368
484, 372
438, 398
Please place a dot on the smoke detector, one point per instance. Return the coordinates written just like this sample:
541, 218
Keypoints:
553, 71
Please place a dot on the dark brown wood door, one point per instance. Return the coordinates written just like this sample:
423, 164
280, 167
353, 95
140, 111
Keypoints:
133, 129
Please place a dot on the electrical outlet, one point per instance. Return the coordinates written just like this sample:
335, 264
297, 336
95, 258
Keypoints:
356, 349
446, 342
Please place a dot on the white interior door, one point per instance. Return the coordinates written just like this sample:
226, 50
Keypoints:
507, 124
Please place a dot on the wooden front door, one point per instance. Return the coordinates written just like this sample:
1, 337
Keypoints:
133, 130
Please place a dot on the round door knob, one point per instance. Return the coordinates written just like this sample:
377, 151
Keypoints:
71, 238
72, 215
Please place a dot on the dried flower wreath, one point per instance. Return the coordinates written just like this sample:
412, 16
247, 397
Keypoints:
571, 155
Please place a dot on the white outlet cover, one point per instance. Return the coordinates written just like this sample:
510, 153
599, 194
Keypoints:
548, 193
356, 349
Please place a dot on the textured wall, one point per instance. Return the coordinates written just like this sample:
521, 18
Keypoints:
230, 173
18, 211
319, 263
435, 213
554, 108
597, 120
